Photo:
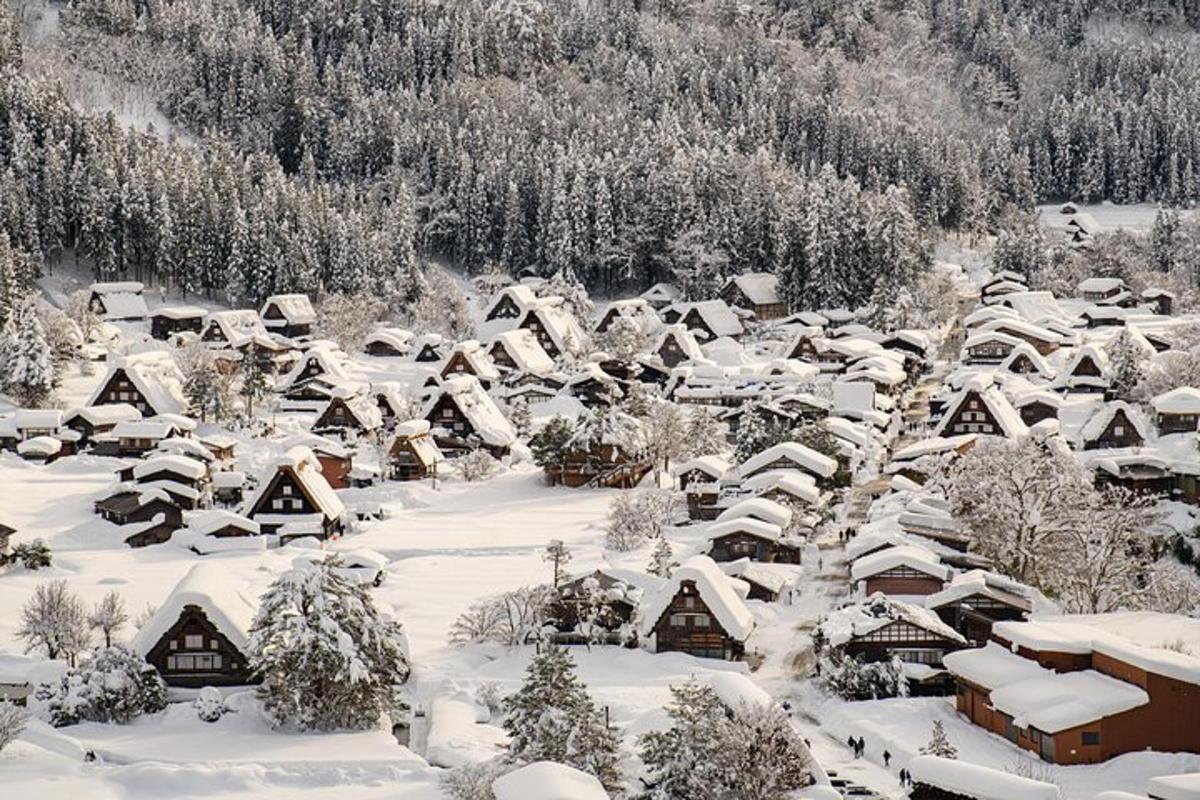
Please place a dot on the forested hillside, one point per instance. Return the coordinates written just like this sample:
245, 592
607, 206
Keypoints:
616, 142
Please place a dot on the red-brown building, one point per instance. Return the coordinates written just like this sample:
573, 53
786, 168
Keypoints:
1076, 695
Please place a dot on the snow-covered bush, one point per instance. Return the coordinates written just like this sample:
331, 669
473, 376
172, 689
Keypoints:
114, 685
328, 656
473, 781
488, 695
512, 618
33, 555
210, 704
12, 722
851, 679
477, 465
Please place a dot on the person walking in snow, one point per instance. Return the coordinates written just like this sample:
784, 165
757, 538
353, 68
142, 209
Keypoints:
887, 758
862, 747
853, 745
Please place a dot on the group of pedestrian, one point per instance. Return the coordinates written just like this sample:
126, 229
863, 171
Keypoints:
857, 745
905, 778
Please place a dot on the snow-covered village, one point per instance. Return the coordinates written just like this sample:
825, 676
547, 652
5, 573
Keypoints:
505, 400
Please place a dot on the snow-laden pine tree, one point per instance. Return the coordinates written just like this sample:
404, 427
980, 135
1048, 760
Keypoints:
328, 656
552, 718
939, 745
691, 758
662, 560
29, 367
705, 434
1126, 355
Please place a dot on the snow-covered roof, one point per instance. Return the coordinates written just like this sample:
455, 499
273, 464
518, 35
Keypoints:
492, 427
994, 401
180, 312
40, 446
1054, 701
662, 293
985, 337
985, 314
1090, 285
37, 418
1184, 400
548, 780
295, 308
1175, 787
205, 522
758, 508
108, 414
562, 328
750, 525
238, 326
914, 558
303, 464
800, 485
991, 666
329, 360
683, 338
769, 576
760, 288
180, 465
933, 445
526, 351
717, 316
1099, 421
398, 339
1053, 637
143, 429
805, 458
155, 375
213, 589
713, 466
983, 583
879, 611
1022, 329
715, 589
523, 296
976, 781
1027, 350
122, 299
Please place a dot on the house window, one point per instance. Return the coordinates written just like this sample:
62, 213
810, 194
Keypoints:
701, 620
1091, 737
678, 620
287, 491
689, 602
1118, 430
203, 662
277, 504
193, 641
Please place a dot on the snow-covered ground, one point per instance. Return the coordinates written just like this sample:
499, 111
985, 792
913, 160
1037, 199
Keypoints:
1135, 218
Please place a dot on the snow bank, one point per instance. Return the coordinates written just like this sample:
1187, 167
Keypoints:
545, 780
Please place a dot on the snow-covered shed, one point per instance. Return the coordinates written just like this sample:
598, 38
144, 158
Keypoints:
388, 342
413, 455
1177, 411
757, 292
200, 634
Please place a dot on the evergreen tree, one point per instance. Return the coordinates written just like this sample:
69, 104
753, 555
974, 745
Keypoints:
705, 434
28, 368
939, 745
551, 445
662, 560
552, 718
329, 658
257, 372
689, 759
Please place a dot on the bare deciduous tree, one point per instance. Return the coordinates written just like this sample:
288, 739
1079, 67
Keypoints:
55, 621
